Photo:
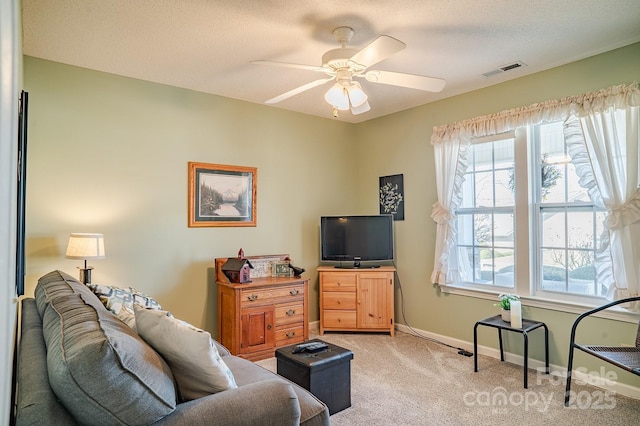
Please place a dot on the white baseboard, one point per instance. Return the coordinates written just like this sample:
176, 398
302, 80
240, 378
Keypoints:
595, 378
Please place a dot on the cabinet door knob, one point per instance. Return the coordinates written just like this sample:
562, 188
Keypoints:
293, 292
291, 312
268, 326
252, 297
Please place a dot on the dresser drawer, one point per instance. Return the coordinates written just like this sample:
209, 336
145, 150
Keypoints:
338, 300
339, 319
338, 281
289, 313
288, 335
257, 296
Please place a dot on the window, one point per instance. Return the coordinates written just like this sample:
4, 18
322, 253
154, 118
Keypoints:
485, 218
524, 218
569, 222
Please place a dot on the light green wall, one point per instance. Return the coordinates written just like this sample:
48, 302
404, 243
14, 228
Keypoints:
109, 154
400, 144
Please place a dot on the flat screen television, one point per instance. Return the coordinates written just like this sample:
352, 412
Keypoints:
356, 238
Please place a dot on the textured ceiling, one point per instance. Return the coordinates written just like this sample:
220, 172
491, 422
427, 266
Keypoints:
207, 45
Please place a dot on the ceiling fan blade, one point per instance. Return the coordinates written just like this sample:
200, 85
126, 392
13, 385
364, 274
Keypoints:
379, 49
289, 65
420, 82
298, 90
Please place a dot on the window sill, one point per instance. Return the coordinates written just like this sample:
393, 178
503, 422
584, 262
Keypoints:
614, 313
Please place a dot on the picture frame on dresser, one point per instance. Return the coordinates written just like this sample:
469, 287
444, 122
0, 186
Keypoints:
222, 195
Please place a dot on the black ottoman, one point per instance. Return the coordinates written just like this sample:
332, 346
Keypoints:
326, 374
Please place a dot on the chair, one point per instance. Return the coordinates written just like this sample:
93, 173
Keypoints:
625, 357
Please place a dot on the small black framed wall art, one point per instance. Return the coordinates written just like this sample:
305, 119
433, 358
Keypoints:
392, 196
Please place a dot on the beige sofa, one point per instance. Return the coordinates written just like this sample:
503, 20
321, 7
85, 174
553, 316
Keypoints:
79, 364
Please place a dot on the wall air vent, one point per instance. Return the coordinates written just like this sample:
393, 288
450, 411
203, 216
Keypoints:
504, 68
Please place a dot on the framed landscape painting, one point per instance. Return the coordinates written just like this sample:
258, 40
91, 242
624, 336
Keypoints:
221, 195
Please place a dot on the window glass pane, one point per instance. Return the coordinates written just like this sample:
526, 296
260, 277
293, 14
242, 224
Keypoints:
580, 229
552, 182
466, 263
574, 191
483, 229
553, 228
486, 266
484, 189
467, 191
582, 274
504, 154
504, 267
504, 188
503, 230
551, 139
483, 156
465, 229
553, 270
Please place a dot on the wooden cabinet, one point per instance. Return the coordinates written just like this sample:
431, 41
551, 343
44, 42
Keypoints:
357, 299
258, 317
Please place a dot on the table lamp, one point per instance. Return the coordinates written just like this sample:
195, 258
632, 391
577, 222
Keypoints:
85, 247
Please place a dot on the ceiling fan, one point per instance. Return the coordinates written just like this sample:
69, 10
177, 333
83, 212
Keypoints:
343, 64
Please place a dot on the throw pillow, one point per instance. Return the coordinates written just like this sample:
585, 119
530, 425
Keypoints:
190, 352
120, 301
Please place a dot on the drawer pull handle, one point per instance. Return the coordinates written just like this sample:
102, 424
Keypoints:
252, 297
293, 292
291, 334
291, 312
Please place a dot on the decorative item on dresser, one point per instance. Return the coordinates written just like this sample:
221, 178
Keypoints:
256, 318
357, 299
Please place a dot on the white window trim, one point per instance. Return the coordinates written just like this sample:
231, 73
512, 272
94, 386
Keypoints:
614, 313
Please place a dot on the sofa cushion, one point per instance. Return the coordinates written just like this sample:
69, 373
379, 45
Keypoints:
100, 369
191, 353
312, 410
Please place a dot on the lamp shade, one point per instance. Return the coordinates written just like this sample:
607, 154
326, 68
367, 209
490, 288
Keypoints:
85, 246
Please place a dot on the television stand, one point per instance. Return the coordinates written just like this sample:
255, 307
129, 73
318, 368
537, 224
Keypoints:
359, 299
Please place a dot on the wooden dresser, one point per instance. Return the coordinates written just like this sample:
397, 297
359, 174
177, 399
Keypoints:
357, 299
256, 318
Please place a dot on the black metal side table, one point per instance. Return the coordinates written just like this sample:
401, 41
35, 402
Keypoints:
527, 326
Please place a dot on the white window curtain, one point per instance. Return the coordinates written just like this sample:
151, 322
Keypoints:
603, 139
450, 167
450, 147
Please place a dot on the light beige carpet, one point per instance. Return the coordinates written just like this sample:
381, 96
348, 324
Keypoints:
406, 380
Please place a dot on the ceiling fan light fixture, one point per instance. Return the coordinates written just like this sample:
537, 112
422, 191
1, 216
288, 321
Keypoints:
338, 97
361, 109
356, 94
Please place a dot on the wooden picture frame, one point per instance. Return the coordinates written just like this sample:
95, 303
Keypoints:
221, 195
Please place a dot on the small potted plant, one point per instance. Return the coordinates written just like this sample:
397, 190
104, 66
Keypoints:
505, 305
